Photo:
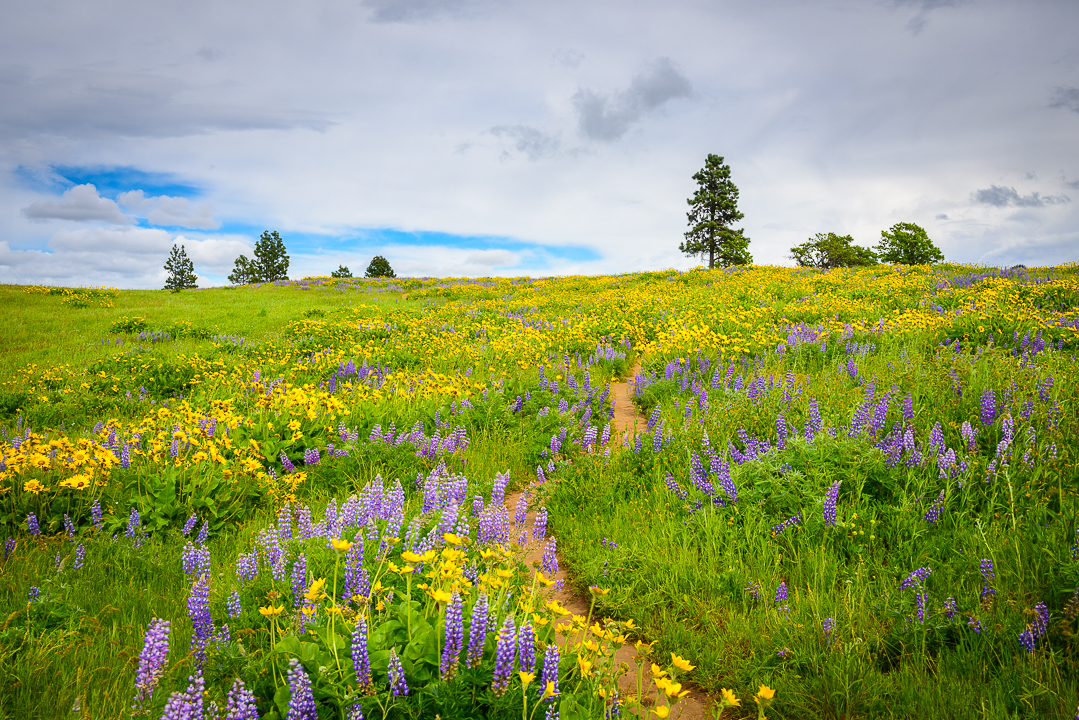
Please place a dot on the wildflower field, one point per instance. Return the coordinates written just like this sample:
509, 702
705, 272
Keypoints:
850, 494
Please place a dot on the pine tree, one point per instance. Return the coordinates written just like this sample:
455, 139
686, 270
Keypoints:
243, 272
379, 267
713, 209
341, 272
271, 259
181, 271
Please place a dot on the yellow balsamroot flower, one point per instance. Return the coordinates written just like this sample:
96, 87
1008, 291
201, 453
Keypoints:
33, 486
440, 595
526, 677
294, 425
657, 671
591, 646
681, 663
452, 539
585, 667
766, 693
340, 545
543, 580
412, 557
76, 482
729, 699
630, 625
540, 620
315, 591
597, 590
674, 689
556, 607
502, 572
549, 692
271, 611
662, 711
763, 699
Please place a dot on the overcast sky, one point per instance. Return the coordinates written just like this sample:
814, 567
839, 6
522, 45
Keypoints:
503, 137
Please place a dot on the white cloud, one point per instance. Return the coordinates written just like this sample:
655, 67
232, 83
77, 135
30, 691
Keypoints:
169, 211
80, 203
492, 258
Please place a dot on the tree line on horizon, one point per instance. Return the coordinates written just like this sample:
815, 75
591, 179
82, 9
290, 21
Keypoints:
714, 209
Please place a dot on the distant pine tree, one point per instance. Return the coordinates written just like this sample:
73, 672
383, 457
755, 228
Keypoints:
181, 271
243, 272
341, 272
271, 258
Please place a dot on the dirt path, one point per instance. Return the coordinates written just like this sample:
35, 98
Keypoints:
626, 421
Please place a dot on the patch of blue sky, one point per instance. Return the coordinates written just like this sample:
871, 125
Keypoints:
532, 253
110, 181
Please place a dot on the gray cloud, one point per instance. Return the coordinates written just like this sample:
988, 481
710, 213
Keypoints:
534, 143
1065, 97
411, 11
922, 10
998, 196
85, 104
568, 57
81, 204
169, 211
609, 117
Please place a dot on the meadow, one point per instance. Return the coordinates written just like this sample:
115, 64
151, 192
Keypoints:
851, 494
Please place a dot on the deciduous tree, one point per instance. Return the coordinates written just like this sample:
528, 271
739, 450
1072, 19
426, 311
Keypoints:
907, 244
829, 250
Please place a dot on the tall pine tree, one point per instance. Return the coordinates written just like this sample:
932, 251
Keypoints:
181, 271
271, 259
713, 209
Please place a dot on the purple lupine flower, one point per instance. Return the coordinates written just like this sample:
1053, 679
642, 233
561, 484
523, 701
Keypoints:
526, 648
80, 556
247, 566
95, 514
31, 524
549, 673
549, 561
829, 504
950, 608
132, 523
781, 593
520, 513
919, 602
505, 656
1027, 639
477, 634
1041, 620
195, 560
722, 471
987, 407
34, 593
357, 583
908, 408
754, 589
361, 662
311, 456
186, 705
69, 528
455, 633
204, 531
539, 525
202, 624
155, 651
975, 624
916, 578
240, 704
301, 705
299, 579
9, 547
988, 573
969, 434
190, 524
828, 626
233, 605
286, 463
933, 514
675, 488
398, 685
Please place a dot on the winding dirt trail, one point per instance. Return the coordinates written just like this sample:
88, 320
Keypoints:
694, 706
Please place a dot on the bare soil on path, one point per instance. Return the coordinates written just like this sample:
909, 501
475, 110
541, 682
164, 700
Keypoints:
694, 706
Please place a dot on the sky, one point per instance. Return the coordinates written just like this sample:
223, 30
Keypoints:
504, 137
